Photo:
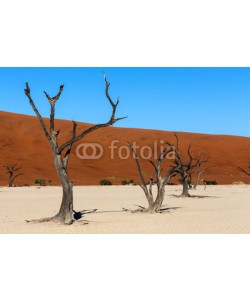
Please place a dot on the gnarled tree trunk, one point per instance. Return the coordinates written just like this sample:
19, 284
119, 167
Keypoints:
160, 196
155, 206
185, 189
197, 181
65, 214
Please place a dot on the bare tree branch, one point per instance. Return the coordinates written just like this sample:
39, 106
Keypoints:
57, 96
177, 141
27, 93
17, 176
154, 165
95, 127
244, 171
52, 102
138, 163
67, 154
190, 156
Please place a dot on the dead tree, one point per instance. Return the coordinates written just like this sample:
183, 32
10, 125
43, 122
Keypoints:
154, 202
244, 171
199, 171
12, 171
184, 168
61, 153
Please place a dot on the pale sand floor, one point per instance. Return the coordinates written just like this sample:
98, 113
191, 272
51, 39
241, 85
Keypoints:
225, 209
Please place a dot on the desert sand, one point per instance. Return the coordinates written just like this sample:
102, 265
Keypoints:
218, 209
22, 141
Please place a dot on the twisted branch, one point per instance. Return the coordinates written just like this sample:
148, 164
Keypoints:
52, 102
27, 93
95, 127
67, 154
244, 171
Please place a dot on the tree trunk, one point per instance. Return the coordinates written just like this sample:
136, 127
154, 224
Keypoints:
185, 191
10, 183
196, 181
155, 207
160, 198
65, 214
150, 208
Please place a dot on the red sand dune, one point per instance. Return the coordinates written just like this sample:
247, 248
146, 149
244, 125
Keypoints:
22, 141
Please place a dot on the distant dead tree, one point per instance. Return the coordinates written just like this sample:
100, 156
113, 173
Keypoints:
198, 170
184, 168
157, 178
245, 171
61, 153
12, 171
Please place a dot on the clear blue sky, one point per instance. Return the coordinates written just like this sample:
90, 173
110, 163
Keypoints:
205, 100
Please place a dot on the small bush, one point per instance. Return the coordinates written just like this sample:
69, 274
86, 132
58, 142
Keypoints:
105, 182
211, 182
40, 181
127, 182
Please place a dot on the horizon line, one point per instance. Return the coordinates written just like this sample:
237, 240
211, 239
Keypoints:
133, 128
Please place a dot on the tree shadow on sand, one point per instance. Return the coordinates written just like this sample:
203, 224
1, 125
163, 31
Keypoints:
142, 209
78, 215
193, 196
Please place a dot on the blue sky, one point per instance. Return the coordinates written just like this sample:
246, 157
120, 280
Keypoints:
205, 100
